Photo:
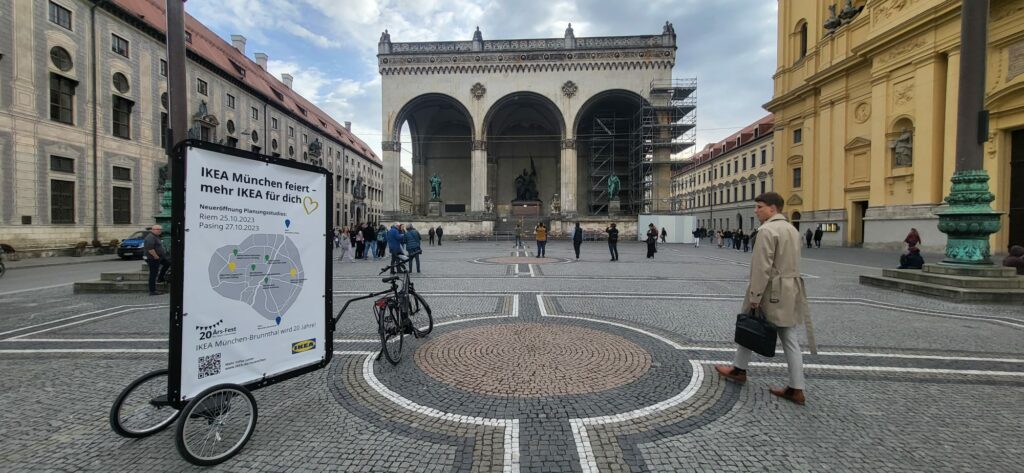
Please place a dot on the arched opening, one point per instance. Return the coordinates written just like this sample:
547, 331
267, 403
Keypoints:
523, 132
440, 137
605, 146
901, 143
739, 221
795, 219
801, 32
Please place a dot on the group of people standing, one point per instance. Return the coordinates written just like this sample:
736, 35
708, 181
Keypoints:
814, 237
364, 242
736, 240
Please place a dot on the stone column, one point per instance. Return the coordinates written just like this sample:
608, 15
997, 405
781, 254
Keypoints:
478, 173
568, 189
392, 177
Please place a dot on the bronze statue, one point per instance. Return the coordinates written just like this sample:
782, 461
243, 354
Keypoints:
435, 187
613, 187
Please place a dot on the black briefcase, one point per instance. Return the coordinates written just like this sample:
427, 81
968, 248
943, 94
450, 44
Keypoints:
755, 332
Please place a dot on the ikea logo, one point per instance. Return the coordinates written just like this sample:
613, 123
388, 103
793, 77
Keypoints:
305, 345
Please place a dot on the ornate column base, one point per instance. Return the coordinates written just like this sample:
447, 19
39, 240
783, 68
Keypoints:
969, 220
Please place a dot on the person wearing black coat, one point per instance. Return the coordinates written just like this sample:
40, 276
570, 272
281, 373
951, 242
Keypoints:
818, 233
652, 240
912, 259
577, 239
613, 241
439, 232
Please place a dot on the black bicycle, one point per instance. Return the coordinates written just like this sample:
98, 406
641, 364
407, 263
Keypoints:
398, 313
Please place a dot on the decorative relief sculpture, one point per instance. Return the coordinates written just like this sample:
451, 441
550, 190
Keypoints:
862, 112
832, 22
478, 90
903, 94
569, 89
556, 204
488, 204
903, 149
315, 148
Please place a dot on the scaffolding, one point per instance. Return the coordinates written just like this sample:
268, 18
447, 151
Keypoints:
665, 125
609, 154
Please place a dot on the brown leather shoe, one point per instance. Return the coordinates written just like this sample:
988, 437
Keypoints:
732, 373
790, 394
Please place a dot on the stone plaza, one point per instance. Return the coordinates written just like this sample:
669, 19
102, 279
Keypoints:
553, 365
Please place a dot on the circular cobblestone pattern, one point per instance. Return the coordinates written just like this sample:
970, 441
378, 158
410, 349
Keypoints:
531, 360
521, 260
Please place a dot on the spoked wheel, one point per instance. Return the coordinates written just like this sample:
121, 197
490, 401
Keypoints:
216, 424
391, 335
142, 409
420, 317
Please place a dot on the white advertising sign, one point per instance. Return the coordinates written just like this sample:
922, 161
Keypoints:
254, 278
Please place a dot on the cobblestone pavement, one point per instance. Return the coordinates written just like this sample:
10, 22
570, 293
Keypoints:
552, 365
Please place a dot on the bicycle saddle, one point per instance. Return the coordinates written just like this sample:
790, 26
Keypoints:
390, 278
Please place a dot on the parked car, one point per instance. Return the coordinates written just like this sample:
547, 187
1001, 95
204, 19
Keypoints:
131, 247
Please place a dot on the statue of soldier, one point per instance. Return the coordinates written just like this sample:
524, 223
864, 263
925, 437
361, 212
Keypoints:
435, 187
903, 149
613, 187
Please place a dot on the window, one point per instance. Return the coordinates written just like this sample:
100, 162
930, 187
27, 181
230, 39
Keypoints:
803, 40
122, 174
201, 87
762, 187
122, 205
305, 138
744, 192
255, 113
122, 117
60, 58
163, 67
232, 142
231, 101
798, 136
61, 164
764, 154
121, 83
254, 136
231, 126
796, 178
62, 201
744, 162
62, 99
119, 45
163, 129
60, 16
188, 37
273, 144
291, 132
273, 123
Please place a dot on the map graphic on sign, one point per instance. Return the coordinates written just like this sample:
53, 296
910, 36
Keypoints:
264, 271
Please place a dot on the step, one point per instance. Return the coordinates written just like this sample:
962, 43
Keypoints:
970, 282
979, 271
115, 287
957, 294
123, 276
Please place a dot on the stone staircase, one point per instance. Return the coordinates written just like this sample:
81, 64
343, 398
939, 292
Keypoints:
125, 282
960, 284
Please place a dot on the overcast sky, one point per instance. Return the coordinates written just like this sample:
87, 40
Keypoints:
330, 46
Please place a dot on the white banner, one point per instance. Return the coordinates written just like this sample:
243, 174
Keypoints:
254, 275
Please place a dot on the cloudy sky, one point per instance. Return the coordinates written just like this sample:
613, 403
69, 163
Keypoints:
330, 46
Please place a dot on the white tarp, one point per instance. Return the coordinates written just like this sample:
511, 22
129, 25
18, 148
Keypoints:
254, 275
678, 228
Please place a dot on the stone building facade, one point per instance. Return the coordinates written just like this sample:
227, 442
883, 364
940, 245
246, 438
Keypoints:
82, 124
865, 107
482, 112
405, 192
720, 182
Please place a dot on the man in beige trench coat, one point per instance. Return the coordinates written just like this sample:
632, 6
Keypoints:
776, 288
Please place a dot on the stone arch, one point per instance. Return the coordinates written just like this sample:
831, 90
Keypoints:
531, 97
425, 100
621, 105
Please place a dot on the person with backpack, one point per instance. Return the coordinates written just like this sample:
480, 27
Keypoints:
412, 244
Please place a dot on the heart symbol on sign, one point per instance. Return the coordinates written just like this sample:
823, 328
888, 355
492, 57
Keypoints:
310, 205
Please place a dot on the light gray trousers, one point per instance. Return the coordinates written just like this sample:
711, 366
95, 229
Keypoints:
794, 357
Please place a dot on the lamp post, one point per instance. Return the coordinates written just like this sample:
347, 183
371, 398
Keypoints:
970, 220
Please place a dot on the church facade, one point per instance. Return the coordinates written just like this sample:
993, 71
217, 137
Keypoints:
551, 119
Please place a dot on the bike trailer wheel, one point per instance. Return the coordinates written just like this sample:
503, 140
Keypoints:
142, 408
216, 424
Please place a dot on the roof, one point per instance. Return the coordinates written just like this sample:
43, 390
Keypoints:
742, 137
206, 44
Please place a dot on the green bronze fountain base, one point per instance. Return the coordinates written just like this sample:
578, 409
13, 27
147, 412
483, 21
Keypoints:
969, 220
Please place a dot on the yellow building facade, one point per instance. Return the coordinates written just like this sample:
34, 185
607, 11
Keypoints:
865, 106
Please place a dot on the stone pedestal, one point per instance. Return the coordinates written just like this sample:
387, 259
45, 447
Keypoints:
526, 208
961, 283
614, 207
435, 208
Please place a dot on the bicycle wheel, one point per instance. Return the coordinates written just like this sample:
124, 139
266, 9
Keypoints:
141, 409
391, 334
216, 424
421, 325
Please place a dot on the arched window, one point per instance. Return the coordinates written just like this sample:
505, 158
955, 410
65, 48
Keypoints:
799, 43
803, 40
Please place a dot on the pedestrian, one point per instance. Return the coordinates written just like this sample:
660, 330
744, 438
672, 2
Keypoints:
369, 240
652, 240
430, 234
911, 259
1015, 259
519, 235
818, 233
913, 238
728, 238
542, 239
337, 237
746, 242
737, 240
777, 289
382, 241
809, 236
719, 236
440, 233
613, 241
664, 233
360, 245
156, 258
395, 239
577, 239
345, 245
412, 244
696, 238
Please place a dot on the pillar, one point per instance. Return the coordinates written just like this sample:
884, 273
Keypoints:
568, 173
392, 176
478, 172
